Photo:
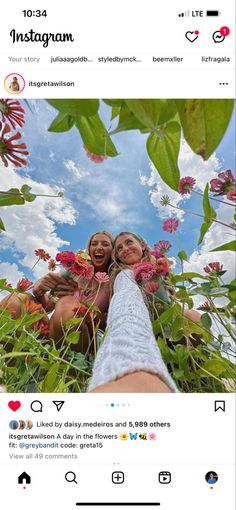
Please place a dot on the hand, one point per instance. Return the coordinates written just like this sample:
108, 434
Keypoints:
66, 288
45, 284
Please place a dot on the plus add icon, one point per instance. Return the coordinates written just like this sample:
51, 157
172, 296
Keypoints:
117, 477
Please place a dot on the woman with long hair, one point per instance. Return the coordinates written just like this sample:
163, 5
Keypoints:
69, 294
129, 359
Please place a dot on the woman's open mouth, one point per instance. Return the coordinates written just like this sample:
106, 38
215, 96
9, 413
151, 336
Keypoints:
99, 257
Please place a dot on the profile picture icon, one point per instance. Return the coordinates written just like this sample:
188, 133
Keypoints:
13, 424
211, 477
22, 424
29, 424
14, 83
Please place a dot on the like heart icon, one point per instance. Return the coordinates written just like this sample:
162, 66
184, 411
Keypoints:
192, 36
14, 405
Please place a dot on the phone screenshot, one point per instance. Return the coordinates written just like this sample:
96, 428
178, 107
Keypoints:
117, 255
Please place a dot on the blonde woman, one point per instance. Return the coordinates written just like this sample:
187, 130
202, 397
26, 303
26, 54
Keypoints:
100, 247
129, 359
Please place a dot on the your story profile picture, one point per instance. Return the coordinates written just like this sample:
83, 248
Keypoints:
14, 83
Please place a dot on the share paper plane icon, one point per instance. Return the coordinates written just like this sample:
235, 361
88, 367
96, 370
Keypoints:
58, 404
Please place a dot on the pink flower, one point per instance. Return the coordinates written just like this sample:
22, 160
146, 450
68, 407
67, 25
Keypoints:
7, 284
224, 184
52, 265
206, 306
152, 436
144, 271
151, 287
66, 258
10, 152
232, 194
96, 158
101, 277
12, 112
162, 266
80, 309
79, 296
44, 329
42, 254
162, 247
170, 225
186, 185
77, 263
213, 266
24, 284
82, 267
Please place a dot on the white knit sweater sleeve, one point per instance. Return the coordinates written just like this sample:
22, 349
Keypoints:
129, 345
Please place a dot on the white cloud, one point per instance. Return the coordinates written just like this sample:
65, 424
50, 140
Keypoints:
32, 225
189, 164
216, 236
76, 170
114, 204
10, 272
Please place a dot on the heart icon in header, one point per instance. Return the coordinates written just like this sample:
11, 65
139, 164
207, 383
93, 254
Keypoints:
14, 405
192, 36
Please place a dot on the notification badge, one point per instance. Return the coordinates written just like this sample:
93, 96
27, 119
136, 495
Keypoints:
219, 35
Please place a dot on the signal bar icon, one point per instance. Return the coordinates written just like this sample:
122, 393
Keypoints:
184, 14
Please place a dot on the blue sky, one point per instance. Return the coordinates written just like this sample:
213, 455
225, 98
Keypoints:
122, 193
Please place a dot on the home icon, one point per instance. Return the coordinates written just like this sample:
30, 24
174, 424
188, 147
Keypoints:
24, 478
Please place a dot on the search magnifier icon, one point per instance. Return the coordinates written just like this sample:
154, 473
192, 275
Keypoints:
70, 476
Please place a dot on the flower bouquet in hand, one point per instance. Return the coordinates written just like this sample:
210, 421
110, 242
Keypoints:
76, 267
152, 276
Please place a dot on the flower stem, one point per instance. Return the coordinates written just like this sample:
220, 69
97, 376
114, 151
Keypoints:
213, 198
21, 194
201, 216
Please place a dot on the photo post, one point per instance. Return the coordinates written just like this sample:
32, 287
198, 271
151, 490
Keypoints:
117, 255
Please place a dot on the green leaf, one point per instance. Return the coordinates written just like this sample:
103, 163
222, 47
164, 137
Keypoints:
73, 337
164, 318
168, 111
209, 214
74, 321
204, 228
183, 255
214, 366
227, 246
232, 296
25, 189
188, 276
29, 197
2, 225
113, 102
178, 373
63, 122
163, 149
206, 320
204, 122
115, 111
127, 120
50, 380
85, 107
147, 111
95, 136
11, 197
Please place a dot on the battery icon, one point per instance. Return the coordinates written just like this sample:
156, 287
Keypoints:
212, 13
